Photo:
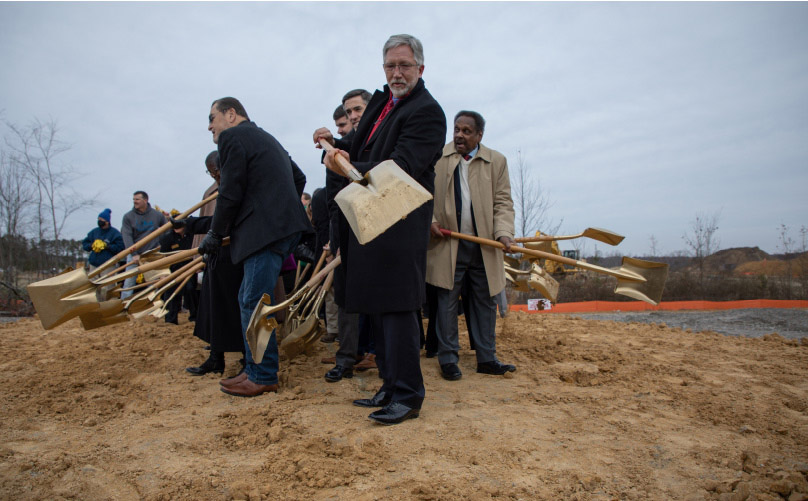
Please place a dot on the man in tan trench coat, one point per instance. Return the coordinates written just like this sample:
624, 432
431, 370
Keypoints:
472, 196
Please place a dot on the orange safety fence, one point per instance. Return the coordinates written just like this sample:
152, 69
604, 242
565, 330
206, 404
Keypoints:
594, 306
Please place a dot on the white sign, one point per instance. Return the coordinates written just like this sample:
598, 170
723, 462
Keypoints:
532, 305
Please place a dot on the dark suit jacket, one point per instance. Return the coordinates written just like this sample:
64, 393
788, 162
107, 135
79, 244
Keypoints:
388, 273
259, 192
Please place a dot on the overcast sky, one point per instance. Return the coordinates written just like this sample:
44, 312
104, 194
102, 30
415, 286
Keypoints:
634, 116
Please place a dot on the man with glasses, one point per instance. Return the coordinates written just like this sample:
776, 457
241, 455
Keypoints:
385, 277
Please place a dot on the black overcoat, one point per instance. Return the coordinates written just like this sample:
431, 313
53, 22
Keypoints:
218, 317
259, 191
388, 273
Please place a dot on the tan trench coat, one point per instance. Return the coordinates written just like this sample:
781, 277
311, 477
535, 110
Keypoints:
491, 201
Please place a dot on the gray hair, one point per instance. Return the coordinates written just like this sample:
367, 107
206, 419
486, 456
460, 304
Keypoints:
408, 40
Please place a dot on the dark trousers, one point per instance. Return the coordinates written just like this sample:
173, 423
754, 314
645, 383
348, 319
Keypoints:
398, 356
481, 314
348, 338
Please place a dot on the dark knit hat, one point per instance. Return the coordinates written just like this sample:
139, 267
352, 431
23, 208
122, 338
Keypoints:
105, 215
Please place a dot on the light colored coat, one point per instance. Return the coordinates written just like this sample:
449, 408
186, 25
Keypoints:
491, 201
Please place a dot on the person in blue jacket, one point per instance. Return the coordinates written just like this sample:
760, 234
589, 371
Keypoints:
103, 242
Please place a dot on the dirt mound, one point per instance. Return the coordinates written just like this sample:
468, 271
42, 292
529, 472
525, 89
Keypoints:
596, 410
727, 260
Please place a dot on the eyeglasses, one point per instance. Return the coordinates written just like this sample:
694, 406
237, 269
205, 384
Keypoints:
402, 67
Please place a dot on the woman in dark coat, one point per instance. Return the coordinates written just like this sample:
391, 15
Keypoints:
218, 319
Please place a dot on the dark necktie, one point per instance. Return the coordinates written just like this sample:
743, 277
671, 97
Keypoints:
467, 157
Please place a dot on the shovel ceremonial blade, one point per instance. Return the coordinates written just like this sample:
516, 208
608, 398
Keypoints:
390, 196
60, 298
543, 282
109, 312
655, 275
260, 328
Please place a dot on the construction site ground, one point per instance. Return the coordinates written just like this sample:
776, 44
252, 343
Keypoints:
596, 410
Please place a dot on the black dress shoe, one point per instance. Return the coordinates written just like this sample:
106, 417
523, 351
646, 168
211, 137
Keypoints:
450, 372
380, 399
431, 354
394, 413
337, 373
495, 368
207, 366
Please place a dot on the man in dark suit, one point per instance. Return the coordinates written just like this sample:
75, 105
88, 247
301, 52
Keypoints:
385, 277
259, 208
354, 103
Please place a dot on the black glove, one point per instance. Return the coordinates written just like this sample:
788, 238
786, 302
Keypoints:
177, 224
304, 253
211, 243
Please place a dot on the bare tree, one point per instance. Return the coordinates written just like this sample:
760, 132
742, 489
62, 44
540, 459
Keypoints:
701, 239
37, 149
654, 246
531, 202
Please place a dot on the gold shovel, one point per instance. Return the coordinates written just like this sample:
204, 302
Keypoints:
62, 297
295, 343
115, 310
599, 234
643, 280
141, 306
162, 310
376, 201
260, 327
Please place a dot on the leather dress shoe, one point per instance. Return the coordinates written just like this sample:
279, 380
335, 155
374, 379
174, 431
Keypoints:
367, 362
380, 399
495, 367
450, 372
431, 354
241, 376
207, 366
394, 413
247, 388
337, 373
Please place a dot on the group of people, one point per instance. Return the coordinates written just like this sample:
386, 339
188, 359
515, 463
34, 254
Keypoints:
381, 286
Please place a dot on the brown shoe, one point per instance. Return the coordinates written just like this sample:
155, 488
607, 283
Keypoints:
329, 360
241, 376
247, 388
369, 362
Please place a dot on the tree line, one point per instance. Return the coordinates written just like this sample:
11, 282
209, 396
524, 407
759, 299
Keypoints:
36, 199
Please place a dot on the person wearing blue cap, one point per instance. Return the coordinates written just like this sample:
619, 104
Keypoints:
102, 242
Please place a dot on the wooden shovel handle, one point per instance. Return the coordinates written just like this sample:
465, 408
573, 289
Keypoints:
348, 170
546, 255
514, 248
319, 262
176, 273
148, 238
545, 238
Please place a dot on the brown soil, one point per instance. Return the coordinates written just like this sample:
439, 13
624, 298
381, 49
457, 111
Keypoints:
596, 410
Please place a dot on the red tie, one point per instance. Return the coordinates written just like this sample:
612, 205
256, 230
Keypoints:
385, 111
467, 157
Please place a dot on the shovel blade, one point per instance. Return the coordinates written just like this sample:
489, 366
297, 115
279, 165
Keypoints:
541, 281
295, 343
391, 195
601, 235
60, 298
650, 291
109, 313
260, 328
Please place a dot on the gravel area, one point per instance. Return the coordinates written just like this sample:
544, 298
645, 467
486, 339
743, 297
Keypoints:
753, 322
